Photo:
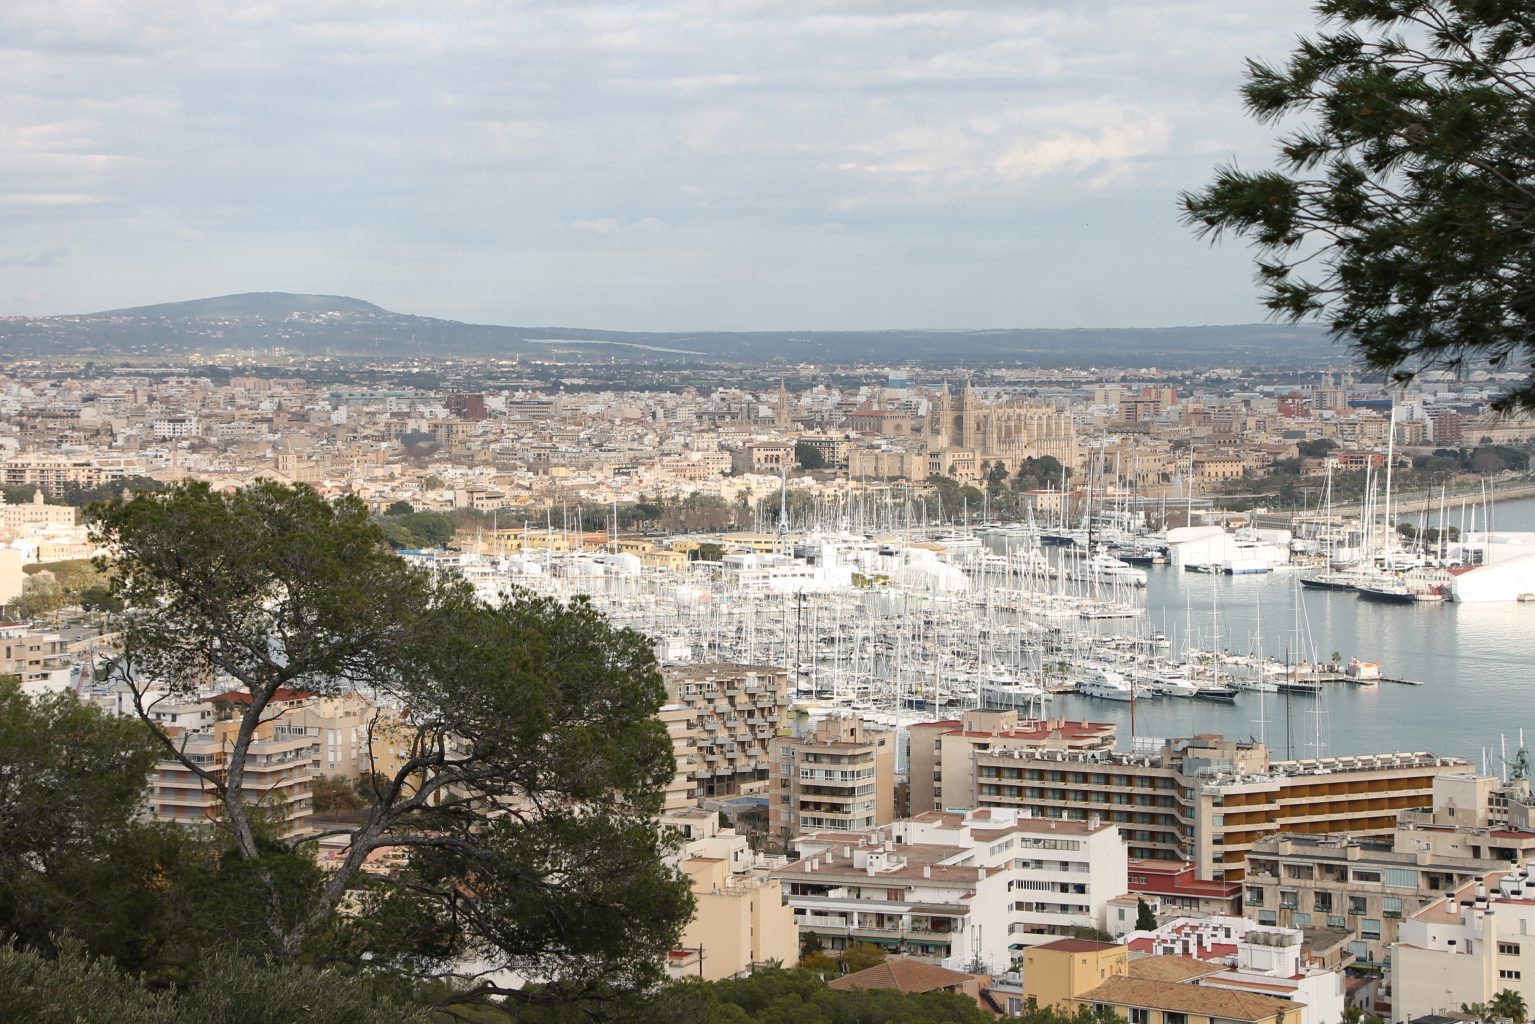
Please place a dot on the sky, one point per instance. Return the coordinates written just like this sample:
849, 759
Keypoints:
665, 165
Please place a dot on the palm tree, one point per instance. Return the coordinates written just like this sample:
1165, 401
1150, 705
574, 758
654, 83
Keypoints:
1480, 1011
1352, 1015
1509, 1004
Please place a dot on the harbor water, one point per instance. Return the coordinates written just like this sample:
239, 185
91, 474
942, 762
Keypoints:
1476, 664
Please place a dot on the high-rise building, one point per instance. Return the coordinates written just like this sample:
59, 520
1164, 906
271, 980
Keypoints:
840, 775
722, 718
1365, 885
1206, 799
942, 754
277, 776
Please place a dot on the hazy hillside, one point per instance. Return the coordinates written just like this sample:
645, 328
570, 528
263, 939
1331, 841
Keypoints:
339, 325
245, 304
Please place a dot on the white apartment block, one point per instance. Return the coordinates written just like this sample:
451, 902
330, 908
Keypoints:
959, 889
1467, 947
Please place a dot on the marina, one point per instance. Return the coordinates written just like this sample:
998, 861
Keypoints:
916, 625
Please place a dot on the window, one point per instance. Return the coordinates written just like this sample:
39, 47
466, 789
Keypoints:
1168, 1017
1392, 906
1268, 917
1361, 875
1402, 878
1508, 948
1370, 928
1360, 950
1337, 921
1509, 975
1140, 1015
1254, 896
1357, 905
1323, 903
1301, 920
1287, 899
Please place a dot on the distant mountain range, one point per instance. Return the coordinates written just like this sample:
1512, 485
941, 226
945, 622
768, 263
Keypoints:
339, 325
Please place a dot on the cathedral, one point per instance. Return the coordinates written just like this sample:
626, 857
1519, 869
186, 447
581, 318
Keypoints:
963, 433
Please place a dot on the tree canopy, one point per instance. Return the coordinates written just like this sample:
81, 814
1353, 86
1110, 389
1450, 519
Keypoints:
809, 456
1402, 212
534, 761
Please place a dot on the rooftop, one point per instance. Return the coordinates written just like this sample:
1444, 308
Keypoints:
1077, 946
910, 976
1181, 997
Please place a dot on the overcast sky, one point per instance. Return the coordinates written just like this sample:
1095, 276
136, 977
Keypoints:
657, 165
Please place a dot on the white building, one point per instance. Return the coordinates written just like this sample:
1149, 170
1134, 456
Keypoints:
963, 890
1467, 947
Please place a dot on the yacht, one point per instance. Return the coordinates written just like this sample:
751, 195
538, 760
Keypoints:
1103, 567
1107, 685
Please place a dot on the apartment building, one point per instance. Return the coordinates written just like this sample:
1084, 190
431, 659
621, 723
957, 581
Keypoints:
1207, 799
956, 889
840, 775
1368, 885
740, 921
1467, 947
43, 659
724, 716
343, 729
942, 755
277, 776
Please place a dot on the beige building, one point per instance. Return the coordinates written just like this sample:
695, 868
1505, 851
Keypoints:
942, 755
341, 728
740, 921
43, 659
11, 575
723, 718
21, 517
763, 457
1366, 885
1207, 799
840, 776
277, 776
969, 431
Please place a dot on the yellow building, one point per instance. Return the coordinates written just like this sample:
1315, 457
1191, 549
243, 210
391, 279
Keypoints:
1054, 973
1073, 973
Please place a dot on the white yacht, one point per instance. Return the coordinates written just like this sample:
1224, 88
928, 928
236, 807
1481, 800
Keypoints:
1107, 684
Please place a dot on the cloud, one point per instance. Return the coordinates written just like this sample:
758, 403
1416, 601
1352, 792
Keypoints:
615, 225
819, 161
35, 259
